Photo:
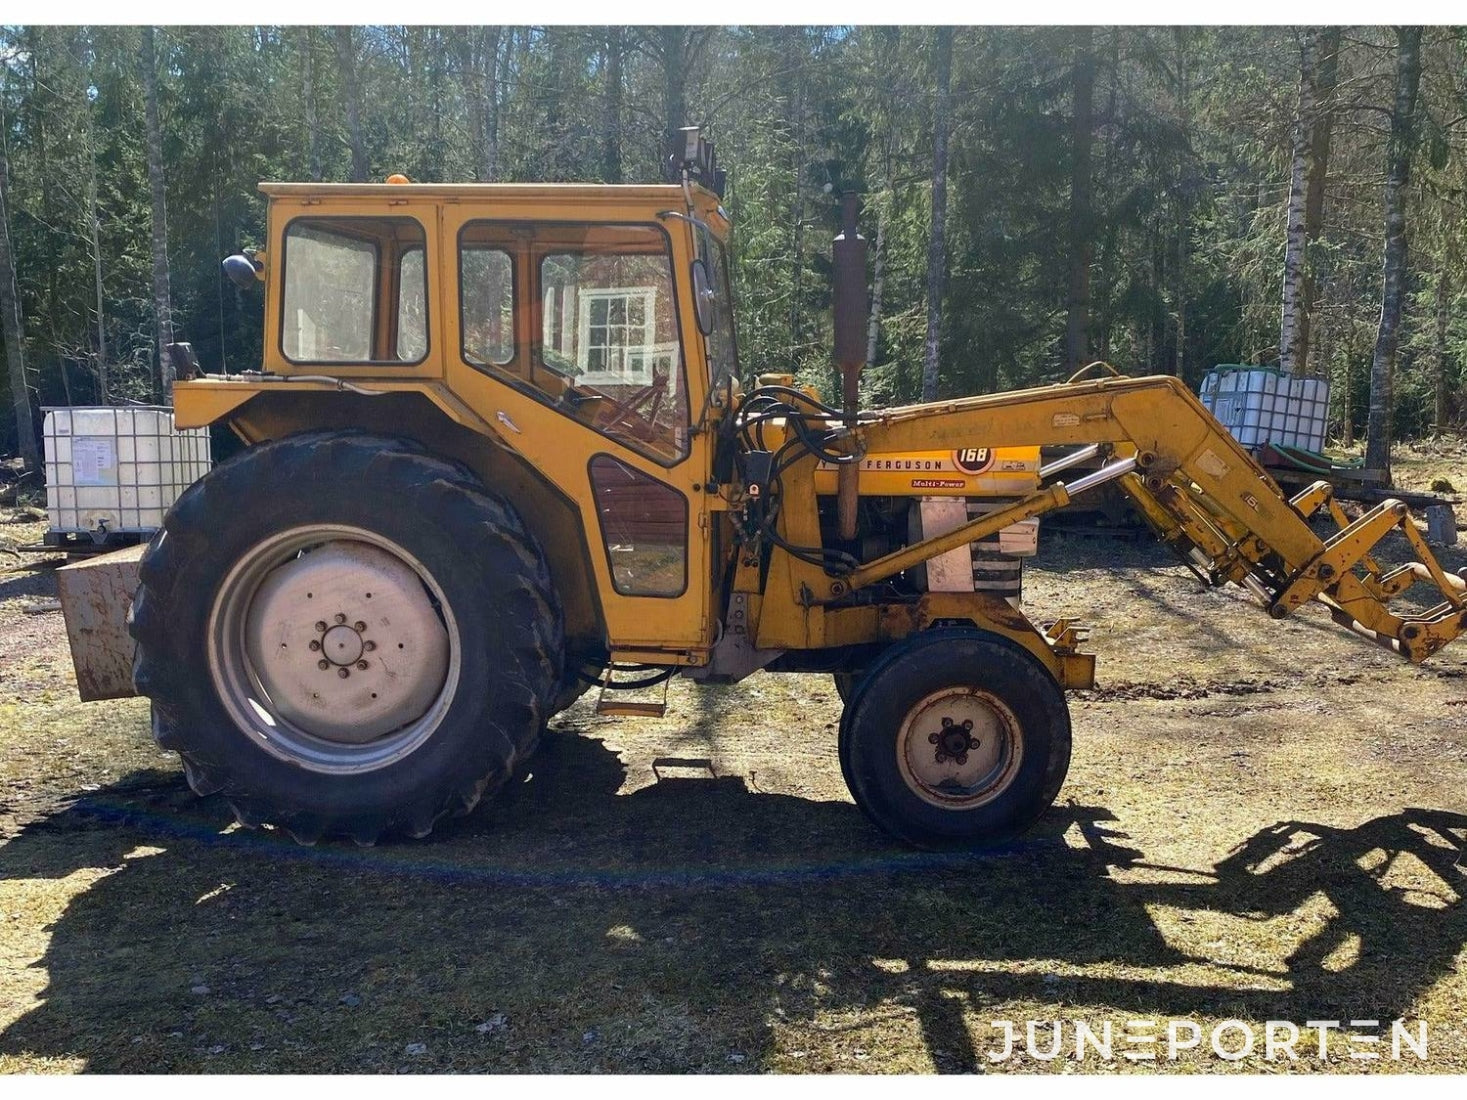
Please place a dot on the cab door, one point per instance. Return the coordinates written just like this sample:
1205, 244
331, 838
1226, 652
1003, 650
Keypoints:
575, 340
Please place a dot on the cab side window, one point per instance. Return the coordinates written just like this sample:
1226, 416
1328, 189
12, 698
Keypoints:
587, 316
355, 291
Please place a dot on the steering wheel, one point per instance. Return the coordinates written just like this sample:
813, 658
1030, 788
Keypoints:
654, 392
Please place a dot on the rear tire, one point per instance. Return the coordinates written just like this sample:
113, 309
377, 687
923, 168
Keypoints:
955, 739
449, 649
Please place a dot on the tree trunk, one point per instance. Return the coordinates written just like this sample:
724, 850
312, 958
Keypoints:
613, 85
433, 170
1327, 75
346, 61
1295, 241
162, 305
878, 286
1179, 278
489, 52
308, 94
12, 324
936, 246
1077, 324
1394, 265
94, 219
95, 227
674, 89
1440, 411
471, 78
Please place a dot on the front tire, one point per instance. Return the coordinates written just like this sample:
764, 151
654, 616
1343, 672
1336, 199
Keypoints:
345, 635
955, 739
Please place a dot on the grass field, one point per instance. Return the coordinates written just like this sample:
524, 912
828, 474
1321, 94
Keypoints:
1262, 821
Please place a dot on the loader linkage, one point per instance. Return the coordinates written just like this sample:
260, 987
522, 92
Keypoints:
1201, 493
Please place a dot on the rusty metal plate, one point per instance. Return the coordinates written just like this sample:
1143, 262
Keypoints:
95, 597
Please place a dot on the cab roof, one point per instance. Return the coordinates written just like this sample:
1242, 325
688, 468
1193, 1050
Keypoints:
660, 196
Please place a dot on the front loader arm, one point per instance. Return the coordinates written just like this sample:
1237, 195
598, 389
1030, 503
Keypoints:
1196, 487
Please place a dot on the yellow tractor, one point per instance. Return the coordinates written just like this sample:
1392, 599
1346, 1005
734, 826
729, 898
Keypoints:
499, 453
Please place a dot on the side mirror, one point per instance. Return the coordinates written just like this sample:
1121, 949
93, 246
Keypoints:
243, 271
703, 297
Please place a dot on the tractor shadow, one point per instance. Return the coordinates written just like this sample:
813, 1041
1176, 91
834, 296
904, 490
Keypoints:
694, 924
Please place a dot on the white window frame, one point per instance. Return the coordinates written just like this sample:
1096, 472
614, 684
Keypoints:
648, 351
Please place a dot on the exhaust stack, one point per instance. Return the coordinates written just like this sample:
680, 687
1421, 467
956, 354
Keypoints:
851, 318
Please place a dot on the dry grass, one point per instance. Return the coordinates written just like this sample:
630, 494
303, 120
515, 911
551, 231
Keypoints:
1262, 821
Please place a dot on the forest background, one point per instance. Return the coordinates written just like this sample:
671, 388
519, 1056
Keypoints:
1167, 199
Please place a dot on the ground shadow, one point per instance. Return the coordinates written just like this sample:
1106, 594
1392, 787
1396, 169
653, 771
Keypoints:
570, 927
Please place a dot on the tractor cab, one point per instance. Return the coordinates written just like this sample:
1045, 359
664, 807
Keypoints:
598, 301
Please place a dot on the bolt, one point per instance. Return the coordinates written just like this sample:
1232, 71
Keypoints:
1326, 571
359, 627
362, 665
340, 618
344, 673
323, 665
320, 627
315, 646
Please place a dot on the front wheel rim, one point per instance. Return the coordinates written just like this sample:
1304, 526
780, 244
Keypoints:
333, 648
959, 748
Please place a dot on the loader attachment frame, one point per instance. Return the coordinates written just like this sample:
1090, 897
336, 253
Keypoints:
1196, 487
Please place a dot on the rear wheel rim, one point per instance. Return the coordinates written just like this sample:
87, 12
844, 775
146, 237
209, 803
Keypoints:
333, 648
959, 748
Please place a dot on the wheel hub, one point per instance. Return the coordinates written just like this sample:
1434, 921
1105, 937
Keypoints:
954, 740
959, 748
342, 645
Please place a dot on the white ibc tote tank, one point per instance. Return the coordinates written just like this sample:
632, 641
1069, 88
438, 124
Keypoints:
112, 470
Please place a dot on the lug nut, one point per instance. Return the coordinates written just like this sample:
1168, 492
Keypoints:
323, 665
369, 646
359, 627
320, 627
344, 673
315, 646
362, 665
340, 618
